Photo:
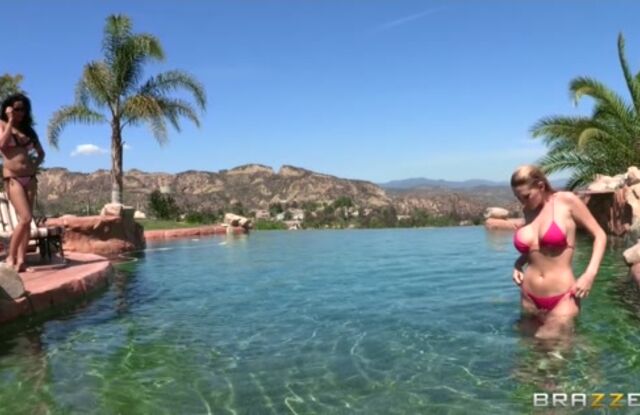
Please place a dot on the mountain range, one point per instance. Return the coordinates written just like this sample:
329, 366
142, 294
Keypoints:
256, 187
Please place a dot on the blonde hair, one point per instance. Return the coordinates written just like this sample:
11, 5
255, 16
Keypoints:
530, 175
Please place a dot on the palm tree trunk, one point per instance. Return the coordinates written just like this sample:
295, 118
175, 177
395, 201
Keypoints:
116, 161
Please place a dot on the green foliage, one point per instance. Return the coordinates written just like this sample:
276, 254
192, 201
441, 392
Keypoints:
9, 84
238, 209
112, 91
309, 206
275, 208
607, 142
384, 217
269, 225
202, 217
343, 201
163, 206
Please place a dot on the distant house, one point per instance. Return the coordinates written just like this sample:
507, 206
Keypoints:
293, 225
262, 214
297, 214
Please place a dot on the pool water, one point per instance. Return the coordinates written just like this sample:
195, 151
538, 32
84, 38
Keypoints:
326, 322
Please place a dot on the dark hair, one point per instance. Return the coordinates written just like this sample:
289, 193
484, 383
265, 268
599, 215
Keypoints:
26, 126
530, 175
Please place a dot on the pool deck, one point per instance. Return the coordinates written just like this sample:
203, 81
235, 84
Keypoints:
54, 285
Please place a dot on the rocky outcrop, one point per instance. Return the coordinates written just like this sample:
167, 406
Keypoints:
610, 209
232, 219
253, 186
101, 235
496, 213
497, 218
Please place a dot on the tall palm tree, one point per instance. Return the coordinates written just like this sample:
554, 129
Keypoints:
9, 84
607, 142
110, 90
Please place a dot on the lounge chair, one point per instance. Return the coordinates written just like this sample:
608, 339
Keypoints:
44, 237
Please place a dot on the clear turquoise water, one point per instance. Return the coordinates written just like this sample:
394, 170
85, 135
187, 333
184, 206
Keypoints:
325, 322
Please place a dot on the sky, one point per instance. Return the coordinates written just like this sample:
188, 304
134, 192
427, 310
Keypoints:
376, 90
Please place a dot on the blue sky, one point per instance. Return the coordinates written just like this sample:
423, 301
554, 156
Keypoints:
373, 90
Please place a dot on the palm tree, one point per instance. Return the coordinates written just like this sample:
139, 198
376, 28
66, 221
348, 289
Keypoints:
110, 90
9, 85
607, 142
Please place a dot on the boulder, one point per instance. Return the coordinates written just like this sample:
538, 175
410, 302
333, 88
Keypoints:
633, 176
631, 255
496, 213
610, 209
112, 209
232, 219
604, 183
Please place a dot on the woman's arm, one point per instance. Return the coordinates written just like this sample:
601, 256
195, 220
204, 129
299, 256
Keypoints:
583, 217
39, 150
521, 262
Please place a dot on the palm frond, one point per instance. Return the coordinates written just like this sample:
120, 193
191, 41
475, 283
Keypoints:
607, 100
144, 108
632, 83
558, 127
129, 60
116, 31
70, 114
96, 85
170, 81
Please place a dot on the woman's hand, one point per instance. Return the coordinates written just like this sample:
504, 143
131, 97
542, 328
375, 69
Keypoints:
9, 112
582, 287
518, 276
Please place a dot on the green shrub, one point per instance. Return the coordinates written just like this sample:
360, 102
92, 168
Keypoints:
163, 206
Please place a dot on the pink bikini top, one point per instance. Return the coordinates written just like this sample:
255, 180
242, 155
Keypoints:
552, 238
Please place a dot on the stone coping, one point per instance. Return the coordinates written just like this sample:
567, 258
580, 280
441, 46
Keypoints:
50, 287
161, 234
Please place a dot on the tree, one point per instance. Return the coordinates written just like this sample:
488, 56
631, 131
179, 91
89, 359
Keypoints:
110, 90
9, 85
163, 206
607, 142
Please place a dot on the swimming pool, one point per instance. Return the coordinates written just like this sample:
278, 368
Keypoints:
351, 321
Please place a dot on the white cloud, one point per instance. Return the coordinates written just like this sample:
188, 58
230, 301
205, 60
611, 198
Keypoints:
87, 150
126, 146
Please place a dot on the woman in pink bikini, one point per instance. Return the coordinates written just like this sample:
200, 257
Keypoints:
546, 243
17, 139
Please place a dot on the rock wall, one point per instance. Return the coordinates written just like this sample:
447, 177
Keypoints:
610, 208
101, 235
